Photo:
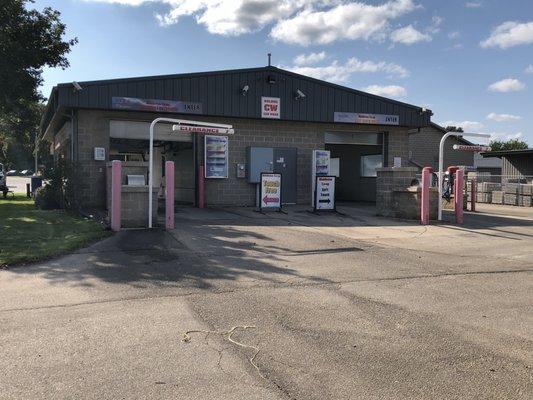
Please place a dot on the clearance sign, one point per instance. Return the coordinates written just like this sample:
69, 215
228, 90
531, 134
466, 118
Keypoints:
270, 107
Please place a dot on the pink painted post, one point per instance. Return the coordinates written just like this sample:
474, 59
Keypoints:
116, 194
424, 201
201, 188
458, 196
473, 194
169, 194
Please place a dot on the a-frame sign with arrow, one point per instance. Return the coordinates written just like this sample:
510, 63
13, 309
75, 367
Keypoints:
325, 193
270, 193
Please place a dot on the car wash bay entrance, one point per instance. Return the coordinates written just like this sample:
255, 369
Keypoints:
354, 159
129, 143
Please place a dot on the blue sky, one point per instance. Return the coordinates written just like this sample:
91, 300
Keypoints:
471, 62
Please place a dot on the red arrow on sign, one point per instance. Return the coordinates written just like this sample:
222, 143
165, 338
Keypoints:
267, 199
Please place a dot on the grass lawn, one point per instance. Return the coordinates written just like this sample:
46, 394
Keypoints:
28, 234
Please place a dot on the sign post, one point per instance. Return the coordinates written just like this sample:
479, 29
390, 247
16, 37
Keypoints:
325, 193
270, 191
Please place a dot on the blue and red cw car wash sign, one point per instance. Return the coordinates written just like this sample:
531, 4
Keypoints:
270, 107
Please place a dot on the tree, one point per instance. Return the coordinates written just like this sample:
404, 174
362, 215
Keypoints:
454, 129
512, 144
29, 41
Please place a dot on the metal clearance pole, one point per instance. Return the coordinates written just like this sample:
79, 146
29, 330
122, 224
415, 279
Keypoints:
441, 160
225, 129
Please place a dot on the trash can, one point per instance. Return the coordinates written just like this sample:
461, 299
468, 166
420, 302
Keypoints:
36, 183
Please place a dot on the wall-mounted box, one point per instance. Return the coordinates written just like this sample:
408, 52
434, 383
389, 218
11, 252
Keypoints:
240, 170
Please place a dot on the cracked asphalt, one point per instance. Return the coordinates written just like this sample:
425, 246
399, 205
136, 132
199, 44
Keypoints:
343, 306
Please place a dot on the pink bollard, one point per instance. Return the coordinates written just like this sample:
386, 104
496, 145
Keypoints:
169, 195
473, 194
424, 201
201, 188
458, 195
116, 194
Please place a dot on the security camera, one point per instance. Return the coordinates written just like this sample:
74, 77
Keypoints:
77, 86
424, 109
300, 94
245, 89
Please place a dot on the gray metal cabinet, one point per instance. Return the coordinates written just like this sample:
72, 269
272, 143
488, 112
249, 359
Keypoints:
274, 159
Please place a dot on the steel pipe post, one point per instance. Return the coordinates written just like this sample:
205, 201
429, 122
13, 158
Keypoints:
116, 195
458, 196
201, 187
169, 195
424, 201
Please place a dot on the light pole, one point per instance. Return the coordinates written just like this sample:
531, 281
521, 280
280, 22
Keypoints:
441, 160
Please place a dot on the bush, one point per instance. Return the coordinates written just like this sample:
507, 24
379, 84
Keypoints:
46, 198
62, 178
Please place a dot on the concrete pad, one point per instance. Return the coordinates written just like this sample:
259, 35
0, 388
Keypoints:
345, 306
123, 349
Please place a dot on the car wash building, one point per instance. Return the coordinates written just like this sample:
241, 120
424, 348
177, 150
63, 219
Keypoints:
278, 117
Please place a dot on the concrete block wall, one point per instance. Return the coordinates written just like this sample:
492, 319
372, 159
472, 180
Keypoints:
424, 149
93, 131
390, 180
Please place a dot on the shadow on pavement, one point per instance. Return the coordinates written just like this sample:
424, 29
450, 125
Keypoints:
142, 258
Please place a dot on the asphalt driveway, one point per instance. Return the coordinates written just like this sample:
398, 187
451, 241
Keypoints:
342, 307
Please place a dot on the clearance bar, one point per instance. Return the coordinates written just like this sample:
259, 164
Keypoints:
203, 129
476, 149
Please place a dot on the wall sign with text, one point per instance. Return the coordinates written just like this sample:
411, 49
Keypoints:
361, 118
270, 107
216, 156
133, 103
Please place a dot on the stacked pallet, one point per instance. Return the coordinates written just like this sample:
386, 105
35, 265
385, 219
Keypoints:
524, 195
485, 190
518, 194
510, 196
497, 197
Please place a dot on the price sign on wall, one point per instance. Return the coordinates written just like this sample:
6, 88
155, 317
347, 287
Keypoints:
325, 193
216, 156
270, 191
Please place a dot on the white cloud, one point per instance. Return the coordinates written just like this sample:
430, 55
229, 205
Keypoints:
300, 22
409, 35
503, 117
529, 69
225, 17
507, 85
504, 136
436, 22
393, 91
309, 59
454, 35
510, 34
468, 126
337, 72
354, 21
473, 4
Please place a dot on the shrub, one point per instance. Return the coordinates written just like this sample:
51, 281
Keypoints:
46, 198
62, 178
